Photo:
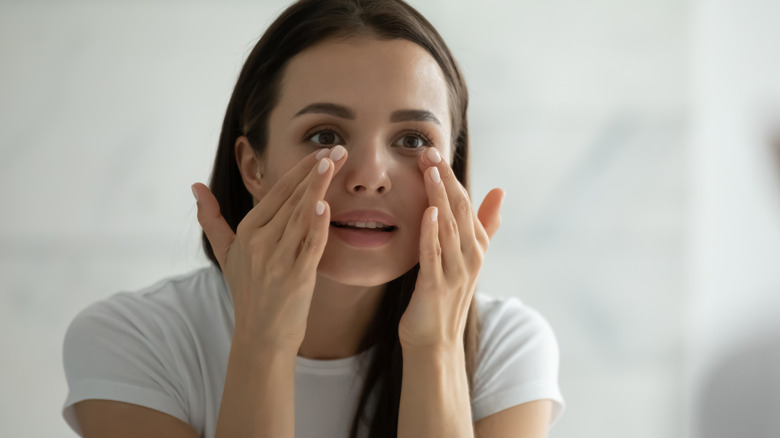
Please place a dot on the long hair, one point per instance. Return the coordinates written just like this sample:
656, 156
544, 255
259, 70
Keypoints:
300, 26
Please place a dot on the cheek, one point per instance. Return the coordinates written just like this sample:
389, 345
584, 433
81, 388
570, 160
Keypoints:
415, 201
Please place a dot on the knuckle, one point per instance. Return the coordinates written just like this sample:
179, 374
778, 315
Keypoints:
295, 200
314, 242
295, 197
432, 253
297, 216
450, 227
463, 206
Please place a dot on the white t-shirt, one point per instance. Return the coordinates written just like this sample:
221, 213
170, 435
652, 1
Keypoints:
166, 347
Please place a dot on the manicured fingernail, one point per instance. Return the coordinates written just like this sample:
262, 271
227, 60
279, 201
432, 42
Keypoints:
435, 177
323, 166
320, 208
194, 193
433, 155
322, 152
434, 214
337, 153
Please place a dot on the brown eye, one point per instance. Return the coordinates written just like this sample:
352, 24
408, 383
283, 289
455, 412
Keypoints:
410, 142
326, 138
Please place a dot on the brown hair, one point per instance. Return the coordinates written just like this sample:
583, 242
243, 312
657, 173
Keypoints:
300, 26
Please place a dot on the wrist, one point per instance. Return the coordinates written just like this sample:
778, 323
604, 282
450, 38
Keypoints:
442, 350
250, 349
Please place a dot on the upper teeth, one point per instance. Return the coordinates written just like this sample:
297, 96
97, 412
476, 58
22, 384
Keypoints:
364, 224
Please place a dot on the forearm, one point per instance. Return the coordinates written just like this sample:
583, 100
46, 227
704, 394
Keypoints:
259, 396
435, 394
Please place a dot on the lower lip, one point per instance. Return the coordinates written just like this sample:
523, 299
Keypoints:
363, 239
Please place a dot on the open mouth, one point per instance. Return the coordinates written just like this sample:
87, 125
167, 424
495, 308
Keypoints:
364, 226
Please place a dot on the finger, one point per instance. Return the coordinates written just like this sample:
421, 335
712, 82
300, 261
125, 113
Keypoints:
447, 225
482, 236
431, 157
218, 232
460, 203
270, 204
430, 249
489, 211
314, 244
296, 224
279, 223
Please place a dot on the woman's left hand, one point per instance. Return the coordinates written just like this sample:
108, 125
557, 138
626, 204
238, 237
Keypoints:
453, 242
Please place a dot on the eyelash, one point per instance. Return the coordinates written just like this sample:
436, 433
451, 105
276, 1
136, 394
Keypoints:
426, 139
421, 135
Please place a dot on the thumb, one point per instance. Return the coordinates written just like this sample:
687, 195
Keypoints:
218, 232
489, 211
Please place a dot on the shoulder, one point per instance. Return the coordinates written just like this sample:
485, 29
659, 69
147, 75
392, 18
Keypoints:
158, 308
142, 347
508, 322
160, 320
494, 309
518, 357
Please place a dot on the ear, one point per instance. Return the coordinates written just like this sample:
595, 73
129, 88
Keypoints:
249, 165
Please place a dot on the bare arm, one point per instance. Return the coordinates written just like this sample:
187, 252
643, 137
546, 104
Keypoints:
527, 420
108, 418
435, 402
259, 395
434, 395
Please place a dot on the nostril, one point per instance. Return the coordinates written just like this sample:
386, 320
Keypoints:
361, 188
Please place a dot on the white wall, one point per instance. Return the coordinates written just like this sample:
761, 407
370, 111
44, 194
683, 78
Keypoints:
110, 110
733, 311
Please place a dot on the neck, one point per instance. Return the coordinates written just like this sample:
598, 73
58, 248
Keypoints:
339, 317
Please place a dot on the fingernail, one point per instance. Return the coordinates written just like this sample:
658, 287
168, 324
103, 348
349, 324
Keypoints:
435, 177
322, 152
323, 166
433, 155
320, 208
337, 153
434, 214
194, 193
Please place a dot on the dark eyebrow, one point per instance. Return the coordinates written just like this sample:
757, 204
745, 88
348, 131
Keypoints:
413, 115
328, 108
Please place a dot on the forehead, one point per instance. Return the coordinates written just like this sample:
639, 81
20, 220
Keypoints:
374, 77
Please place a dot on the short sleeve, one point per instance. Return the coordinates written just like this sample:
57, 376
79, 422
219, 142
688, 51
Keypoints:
114, 352
518, 359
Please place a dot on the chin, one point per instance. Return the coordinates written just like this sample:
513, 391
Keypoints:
366, 274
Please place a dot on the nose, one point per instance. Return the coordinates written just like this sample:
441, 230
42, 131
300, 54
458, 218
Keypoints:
366, 169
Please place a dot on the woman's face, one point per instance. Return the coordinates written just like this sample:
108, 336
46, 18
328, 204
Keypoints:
386, 102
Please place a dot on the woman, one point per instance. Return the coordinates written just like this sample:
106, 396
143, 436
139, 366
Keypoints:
345, 256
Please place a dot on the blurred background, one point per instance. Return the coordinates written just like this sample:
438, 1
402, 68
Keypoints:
633, 139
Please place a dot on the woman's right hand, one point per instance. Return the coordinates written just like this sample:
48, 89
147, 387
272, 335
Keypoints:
270, 263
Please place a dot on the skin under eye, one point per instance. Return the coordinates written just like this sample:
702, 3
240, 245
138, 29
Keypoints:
326, 137
413, 141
